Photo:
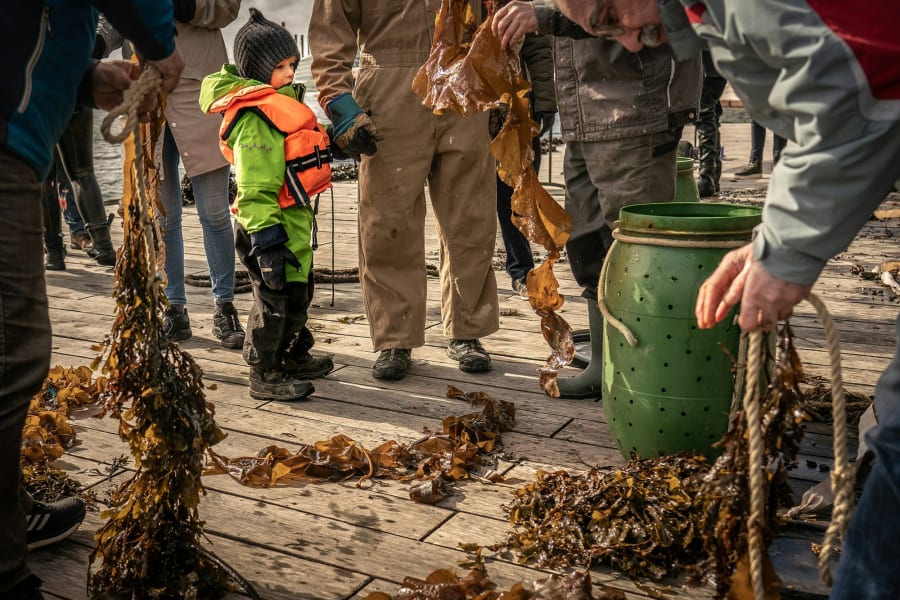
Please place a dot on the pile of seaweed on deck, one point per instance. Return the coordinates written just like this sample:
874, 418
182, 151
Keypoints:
466, 447
654, 518
48, 433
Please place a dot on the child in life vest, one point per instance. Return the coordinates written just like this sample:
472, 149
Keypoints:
282, 159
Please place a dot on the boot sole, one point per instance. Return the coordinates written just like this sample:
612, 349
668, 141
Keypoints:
586, 395
284, 396
310, 374
231, 343
57, 537
390, 375
181, 336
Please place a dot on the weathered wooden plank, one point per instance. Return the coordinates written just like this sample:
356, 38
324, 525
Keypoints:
63, 567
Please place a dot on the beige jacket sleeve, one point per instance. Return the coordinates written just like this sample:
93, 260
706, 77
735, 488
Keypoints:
333, 30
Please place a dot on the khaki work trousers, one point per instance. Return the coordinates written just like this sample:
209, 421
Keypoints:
451, 154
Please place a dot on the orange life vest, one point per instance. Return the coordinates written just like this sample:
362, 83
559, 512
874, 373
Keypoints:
306, 145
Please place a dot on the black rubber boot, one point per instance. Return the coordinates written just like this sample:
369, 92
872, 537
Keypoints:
102, 249
589, 383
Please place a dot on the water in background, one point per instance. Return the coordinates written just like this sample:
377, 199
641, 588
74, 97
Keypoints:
107, 162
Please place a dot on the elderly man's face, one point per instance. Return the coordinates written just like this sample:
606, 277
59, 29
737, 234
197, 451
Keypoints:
636, 20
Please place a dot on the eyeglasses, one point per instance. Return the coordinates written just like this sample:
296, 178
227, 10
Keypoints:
605, 24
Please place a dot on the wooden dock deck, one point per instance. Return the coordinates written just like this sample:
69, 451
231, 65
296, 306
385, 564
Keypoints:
336, 541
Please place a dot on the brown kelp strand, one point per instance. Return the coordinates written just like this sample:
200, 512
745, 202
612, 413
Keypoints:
148, 546
725, 493
465, 447
641, 519
48, 434
444, 584
467, 72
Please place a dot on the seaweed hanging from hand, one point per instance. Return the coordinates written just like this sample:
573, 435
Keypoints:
467, 72
725, 493
148, 548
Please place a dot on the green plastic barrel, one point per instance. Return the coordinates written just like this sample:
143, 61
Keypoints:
685, 184
671, 392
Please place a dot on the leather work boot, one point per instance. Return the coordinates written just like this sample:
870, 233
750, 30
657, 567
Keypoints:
309, 366
102, 249
278, 385
56, 258
227, 326
706, 187
392, 364
80, 241
177, 324
472, 356
753, 170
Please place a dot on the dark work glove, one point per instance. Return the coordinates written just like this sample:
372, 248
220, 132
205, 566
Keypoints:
271, 265
546, 121
336, 151
354, 132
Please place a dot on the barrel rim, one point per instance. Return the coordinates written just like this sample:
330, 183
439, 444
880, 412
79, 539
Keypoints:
662, 218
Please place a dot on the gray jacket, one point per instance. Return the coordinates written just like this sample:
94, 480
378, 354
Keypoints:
835, 95
606, 92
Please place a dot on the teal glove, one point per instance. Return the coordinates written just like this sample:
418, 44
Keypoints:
353, 130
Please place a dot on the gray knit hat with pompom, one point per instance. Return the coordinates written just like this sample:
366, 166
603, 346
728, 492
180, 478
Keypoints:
260, 45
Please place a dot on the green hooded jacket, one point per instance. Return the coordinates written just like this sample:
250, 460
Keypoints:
259, 171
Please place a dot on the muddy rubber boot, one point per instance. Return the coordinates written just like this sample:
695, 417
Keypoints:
102, 249
589, 383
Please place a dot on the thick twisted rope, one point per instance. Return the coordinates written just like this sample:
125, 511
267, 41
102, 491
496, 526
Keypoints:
147, 85
841, 477
755, 523
647, 241
601, 301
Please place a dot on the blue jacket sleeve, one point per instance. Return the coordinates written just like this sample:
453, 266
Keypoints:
148, 24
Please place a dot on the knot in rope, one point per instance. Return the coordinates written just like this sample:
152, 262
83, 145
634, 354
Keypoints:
148, 84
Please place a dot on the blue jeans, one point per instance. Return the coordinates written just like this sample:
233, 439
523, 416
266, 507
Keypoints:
211, 198
71, 214
24, 345
518, 251
76, 148
868, 569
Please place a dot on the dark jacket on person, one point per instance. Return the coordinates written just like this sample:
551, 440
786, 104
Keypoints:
537, 60
46, 49
606, 92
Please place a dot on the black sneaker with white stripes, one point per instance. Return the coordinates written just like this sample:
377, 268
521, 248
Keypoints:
54, 521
